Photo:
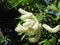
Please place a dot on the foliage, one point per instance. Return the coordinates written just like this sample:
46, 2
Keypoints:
3, 39
15, 3
46, 11
51, 41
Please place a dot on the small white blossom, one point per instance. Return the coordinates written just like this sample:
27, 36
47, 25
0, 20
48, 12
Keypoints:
51, 30
22, 11
20, 28
36, 26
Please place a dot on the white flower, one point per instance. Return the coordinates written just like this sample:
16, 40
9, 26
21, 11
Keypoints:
51, 30
28, 16
20, 28
22, 11
36, 26
31, 26
28, 24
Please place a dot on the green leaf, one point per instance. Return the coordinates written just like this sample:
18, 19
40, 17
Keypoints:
46, 42
1, 36
59, 5
52, 41
39, 17
15, 3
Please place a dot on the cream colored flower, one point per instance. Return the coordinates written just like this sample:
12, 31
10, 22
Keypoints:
51, 30
31, 26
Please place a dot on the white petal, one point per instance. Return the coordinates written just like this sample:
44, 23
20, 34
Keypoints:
56, 29
51, 30
26, 16
28, 24
48, 28
22, 11
36, 26
20, 28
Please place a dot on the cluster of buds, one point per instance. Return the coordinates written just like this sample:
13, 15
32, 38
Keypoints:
32, 27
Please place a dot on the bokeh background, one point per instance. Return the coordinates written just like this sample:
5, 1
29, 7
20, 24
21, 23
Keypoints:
46, 11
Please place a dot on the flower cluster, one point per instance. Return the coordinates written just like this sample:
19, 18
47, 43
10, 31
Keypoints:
32, 27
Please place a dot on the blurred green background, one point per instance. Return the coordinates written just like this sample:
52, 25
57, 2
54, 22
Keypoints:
46, 11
